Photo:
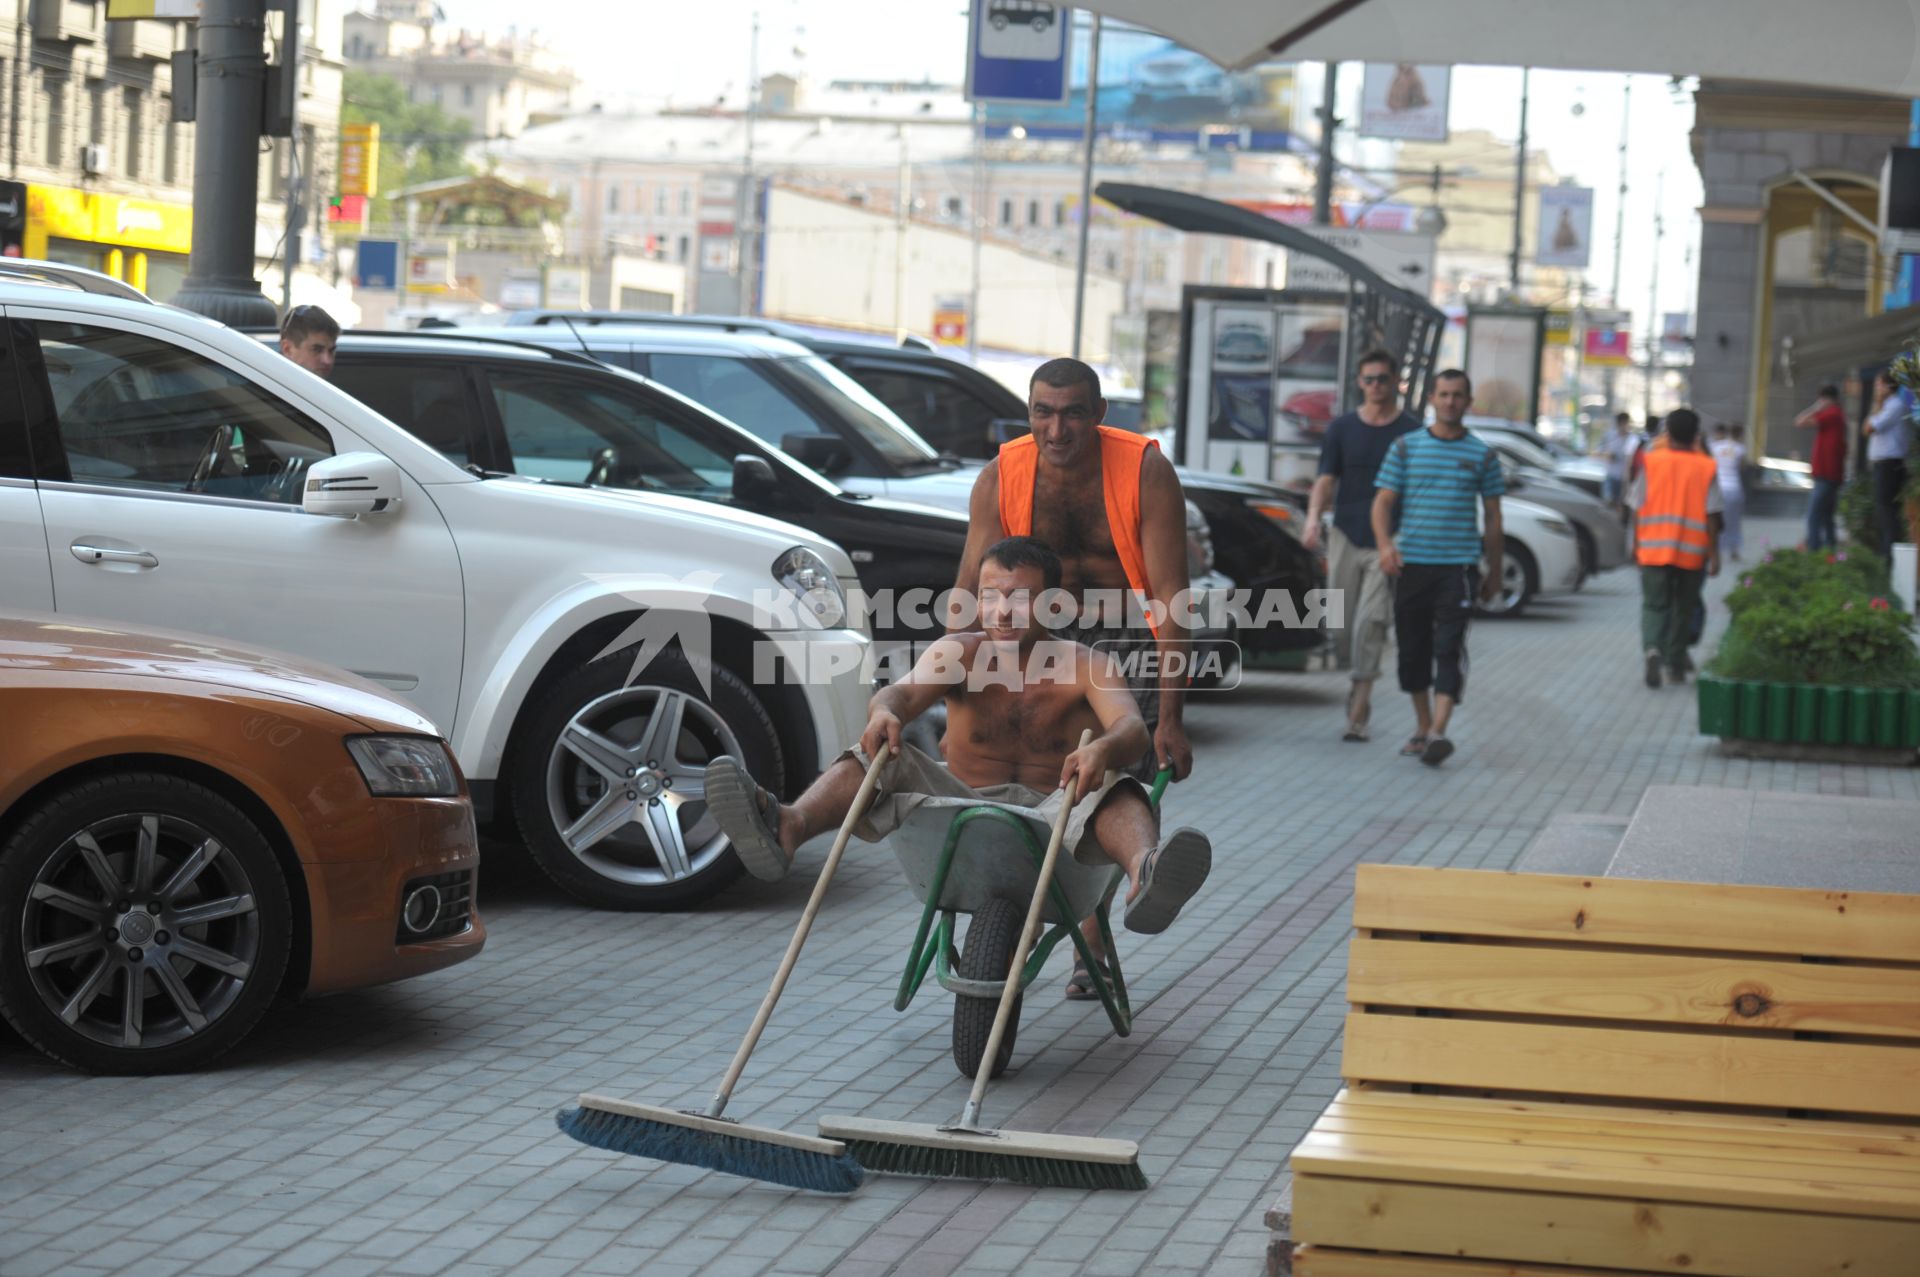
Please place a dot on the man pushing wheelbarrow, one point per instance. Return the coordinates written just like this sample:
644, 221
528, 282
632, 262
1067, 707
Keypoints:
1017, 698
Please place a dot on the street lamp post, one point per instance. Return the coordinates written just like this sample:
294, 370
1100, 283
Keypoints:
230, 77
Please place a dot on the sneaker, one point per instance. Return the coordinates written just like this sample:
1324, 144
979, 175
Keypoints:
1653, 667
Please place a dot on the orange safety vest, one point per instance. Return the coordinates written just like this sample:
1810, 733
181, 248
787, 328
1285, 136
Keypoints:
1671, 530
1122, 453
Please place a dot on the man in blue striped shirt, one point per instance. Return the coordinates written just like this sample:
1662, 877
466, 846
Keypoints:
1438, 477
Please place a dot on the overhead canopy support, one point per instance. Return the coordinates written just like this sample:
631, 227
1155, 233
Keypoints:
1765, 40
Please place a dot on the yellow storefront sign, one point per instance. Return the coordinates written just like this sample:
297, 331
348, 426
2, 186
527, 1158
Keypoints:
119, 221
360, 159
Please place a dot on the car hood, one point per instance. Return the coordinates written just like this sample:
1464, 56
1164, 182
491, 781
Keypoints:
108, 648
573, 508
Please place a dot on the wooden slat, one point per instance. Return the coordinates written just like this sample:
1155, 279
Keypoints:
1633, 1063
1665, 1172
1768, 920
1661, 988
1558, 1228
1318, 1261
1885, 1139
1900, 1161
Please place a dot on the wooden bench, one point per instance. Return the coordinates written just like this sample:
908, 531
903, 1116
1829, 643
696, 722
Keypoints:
1548, 1076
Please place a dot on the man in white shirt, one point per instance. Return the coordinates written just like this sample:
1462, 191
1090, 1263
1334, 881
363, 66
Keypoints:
1617, 449
1889, 435
1729, 454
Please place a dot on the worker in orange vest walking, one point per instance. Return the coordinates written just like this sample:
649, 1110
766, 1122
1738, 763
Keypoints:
1677, 504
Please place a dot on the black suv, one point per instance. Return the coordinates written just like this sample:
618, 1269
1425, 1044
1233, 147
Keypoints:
564, 418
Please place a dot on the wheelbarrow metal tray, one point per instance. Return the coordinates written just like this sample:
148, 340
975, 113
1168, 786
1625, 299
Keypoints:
992, 860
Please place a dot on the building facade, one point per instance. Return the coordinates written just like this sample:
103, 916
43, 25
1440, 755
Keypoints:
105, 174
498, 85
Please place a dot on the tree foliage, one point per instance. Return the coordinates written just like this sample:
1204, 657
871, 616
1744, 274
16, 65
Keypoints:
419, 142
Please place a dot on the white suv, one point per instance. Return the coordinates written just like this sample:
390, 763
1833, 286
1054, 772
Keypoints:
159, 468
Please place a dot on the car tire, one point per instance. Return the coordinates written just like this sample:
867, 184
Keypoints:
1589, 555
197, 910
987, 954
1522, 582
652, 845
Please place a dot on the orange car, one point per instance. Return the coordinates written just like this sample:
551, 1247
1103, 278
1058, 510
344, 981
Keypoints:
188, 829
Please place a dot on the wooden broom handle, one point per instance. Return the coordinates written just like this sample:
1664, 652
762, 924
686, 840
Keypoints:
1035, 908
854, 813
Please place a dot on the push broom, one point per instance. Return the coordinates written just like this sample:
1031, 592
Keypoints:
719, 1143
967, 1150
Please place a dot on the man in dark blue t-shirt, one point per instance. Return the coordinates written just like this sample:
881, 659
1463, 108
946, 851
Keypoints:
1350, 457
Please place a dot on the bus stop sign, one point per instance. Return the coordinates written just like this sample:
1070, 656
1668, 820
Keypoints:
1017, 51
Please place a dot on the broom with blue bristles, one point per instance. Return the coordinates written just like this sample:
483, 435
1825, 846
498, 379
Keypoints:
709, 1139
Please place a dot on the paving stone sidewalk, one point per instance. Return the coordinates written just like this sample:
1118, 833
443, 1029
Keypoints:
409, 1130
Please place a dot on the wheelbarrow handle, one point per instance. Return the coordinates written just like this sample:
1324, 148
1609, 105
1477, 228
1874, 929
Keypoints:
1160, 782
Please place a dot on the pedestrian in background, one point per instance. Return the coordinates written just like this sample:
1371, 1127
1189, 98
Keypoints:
1729, 455
308, 336
1350, 457
1676, 501
1829, 426
1436, 478
1616, 448
1889, 435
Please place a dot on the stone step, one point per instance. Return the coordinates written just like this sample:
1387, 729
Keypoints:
1698, 833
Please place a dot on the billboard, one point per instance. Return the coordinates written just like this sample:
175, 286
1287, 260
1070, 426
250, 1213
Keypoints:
1153, 89
1565, 236
1405, 100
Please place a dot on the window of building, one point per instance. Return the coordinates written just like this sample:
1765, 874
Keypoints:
1033, 212
955, 208
97, 112
1059, 212
55, 88
1113, 261
660, 201
686, 203
136, 131
1006, 212
613, 199
684, 247
466, 95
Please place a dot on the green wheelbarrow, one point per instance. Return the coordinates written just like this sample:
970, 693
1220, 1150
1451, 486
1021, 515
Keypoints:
964, 858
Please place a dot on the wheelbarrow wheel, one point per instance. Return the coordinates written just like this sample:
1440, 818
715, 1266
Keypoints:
986, 955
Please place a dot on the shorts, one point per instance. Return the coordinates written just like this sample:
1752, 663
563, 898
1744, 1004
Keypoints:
913, 781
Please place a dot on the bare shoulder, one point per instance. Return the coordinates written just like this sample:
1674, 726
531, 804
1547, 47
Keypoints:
988, 480
1158, 480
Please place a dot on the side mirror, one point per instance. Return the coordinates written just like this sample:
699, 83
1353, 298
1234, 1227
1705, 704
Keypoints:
1006, 429
753, 479
350, 484
826, 453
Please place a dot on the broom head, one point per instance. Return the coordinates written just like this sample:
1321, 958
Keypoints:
1019, 1157
715, 1144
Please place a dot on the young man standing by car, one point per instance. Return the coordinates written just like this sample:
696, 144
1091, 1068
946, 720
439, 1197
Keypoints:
1677, 504
1829, 426
1617, 450
308, 336
1350, 457
1887, 435
1435, 477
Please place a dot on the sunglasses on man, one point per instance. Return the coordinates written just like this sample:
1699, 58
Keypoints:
1377, 379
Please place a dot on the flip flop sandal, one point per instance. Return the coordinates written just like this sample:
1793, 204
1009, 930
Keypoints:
1170, 875
1414, 748
1356, 731
1438, 750
750, 816
1080, 985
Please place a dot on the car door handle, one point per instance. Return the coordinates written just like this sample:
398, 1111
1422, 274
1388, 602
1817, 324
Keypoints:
106, 554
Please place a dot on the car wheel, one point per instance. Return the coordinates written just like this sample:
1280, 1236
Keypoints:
1519, 582
609, 780
145, 925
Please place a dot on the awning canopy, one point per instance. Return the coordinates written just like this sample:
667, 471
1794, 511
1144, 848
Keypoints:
1866, 45
1834, 352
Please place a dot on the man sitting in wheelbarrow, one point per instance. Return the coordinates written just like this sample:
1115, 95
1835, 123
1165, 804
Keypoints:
1017, 699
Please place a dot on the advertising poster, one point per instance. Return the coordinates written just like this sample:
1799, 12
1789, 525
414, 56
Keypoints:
1566, 227
1608, 346
1242, 408
1152, 87
1504, 364
1405, 100
1307, 372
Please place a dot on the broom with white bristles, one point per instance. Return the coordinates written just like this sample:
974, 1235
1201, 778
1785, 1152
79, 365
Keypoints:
719, 1143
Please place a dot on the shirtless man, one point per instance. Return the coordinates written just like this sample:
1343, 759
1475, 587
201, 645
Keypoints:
1110, 505
1017, 700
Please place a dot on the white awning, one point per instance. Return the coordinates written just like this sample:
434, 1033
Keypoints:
1865, 45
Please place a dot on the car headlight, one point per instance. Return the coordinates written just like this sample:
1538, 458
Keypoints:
405, 766
807, 577
1561, 526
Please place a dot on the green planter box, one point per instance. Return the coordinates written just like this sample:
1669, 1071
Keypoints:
1808, 714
